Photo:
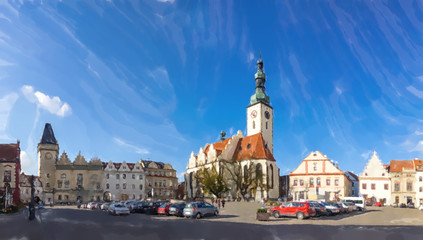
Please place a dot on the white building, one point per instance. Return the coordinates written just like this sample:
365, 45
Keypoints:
375, 183
419, 181
124, 181
25, 187
255, 148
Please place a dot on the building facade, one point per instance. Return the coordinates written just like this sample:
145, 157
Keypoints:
418, 163
161, 181
403, 181
25, 187
375, 182
10, 168
254, 149
319, 178
124, 181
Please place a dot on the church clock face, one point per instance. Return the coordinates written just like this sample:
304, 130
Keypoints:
49, 156
267, 114
253, 114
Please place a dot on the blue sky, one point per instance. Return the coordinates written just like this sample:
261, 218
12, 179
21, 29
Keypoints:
124, 80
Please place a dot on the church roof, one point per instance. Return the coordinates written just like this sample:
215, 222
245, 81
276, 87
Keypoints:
48, 135
400, 165
252, 147
218, 146
9, 151
160, 165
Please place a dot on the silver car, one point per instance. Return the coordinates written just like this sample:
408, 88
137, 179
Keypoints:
118, 209
200, 209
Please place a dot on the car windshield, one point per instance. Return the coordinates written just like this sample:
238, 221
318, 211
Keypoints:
163, 205
191, 205
118, 205
325, 204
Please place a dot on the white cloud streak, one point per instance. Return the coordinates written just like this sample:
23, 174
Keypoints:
6, 105
138, 150
53, 105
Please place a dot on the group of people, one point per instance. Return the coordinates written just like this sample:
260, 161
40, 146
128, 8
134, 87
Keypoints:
219, 202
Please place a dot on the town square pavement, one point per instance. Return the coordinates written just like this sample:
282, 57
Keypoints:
236, 221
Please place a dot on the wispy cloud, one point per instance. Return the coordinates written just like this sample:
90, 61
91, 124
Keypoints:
366, 154
418, 147
6, 105
54, 105
166, 1
138, 150
415, 91
250, 57
4, 63
29, 164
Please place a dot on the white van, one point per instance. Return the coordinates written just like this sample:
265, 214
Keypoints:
358, 201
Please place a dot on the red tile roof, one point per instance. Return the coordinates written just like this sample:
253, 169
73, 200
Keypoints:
399, 165
9, 151
252, 147
419, 164
218, 146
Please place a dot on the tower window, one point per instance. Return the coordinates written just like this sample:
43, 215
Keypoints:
254, 125
266, 125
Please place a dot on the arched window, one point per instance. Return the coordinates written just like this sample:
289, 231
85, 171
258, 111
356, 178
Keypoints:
271, 174
318, 181
311, 181
245, 173
259, 173
64, 175
267, 175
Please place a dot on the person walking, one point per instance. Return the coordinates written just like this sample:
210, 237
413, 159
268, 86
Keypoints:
218, 203
213, 201
223, 203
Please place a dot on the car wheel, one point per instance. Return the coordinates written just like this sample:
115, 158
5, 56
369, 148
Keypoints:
216, 213
300, 215
198, 216
114, 212
276, 214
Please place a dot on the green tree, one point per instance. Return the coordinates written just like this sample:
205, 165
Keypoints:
211, 181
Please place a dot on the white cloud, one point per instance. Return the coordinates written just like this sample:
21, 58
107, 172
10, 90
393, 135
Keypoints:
415, 91
29, 164
339, 90
168, 1
250, 57
231, 131
366, 154
6, 105
138, 150
54, 105
181, 175
418, 147
4, 63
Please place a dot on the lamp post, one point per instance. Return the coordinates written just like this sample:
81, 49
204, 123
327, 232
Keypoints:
32, 203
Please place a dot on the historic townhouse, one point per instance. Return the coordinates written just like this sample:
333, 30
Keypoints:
255, 148
161, 180
10, 168
123, 181
319, 178
403, 181
418, 163
375, 182
25, 186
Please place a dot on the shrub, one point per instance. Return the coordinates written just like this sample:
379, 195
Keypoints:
262, 210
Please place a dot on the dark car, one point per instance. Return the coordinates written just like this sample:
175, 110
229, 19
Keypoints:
320, 209
152, 207
177, 209
139, 207
403, 205
411, 205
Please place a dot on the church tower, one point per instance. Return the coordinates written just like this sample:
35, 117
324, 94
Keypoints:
48, 152
259, 112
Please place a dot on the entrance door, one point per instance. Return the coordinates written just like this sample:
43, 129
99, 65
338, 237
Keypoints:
409, 200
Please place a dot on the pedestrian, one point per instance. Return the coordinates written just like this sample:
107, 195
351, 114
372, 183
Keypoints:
213, 201
218, 203
223, 203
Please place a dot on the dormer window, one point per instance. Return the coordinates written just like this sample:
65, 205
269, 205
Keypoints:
248, 146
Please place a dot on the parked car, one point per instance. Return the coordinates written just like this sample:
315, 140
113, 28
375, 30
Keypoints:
378, 204
358, 201
341, 208
411, 205
139, 207
92, 205
320, 209
403, 205
131, 205
300, 210
200, 209
118, 209
164, 209
177, 209
152, 207
330, 209
349, 206
105, 206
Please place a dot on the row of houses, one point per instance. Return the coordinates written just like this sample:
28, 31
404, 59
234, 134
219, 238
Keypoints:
61, 180
317, 177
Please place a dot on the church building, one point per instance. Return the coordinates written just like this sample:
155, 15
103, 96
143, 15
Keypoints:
255, 148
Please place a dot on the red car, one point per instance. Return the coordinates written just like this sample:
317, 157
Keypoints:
299, 210
164, 209
378, 204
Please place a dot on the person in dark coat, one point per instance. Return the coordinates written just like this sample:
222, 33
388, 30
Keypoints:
223, 203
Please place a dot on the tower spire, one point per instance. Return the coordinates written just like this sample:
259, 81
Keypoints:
260, 79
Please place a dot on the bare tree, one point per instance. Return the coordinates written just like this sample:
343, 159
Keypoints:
211, 181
